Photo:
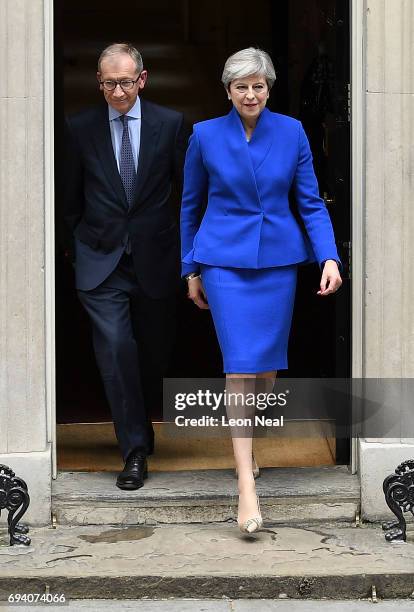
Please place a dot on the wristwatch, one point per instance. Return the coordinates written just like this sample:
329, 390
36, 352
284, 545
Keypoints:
191, 275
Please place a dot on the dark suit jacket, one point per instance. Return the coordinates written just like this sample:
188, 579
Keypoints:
95, 207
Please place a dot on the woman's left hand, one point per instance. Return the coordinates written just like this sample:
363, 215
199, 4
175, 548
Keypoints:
331, 279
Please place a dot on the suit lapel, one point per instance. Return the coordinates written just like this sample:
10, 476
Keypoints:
235, 141
250, 156
150, 130
103, 144
262, 139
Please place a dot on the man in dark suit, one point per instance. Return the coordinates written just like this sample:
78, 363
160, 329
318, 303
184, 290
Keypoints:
121, 161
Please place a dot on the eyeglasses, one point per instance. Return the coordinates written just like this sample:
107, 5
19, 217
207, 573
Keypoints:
125, 84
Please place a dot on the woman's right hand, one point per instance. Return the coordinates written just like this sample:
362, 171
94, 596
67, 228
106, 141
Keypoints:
196, 293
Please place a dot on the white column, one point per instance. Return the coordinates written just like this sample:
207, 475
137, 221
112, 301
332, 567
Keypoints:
389, 227
23, 416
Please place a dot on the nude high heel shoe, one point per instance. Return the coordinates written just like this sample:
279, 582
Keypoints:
255, 469
252, 524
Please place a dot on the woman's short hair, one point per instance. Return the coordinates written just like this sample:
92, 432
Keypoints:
246, 63
117, 48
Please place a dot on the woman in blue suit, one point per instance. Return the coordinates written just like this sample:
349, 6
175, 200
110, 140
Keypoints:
241, 259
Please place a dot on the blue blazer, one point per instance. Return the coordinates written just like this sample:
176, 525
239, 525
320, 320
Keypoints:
248, 222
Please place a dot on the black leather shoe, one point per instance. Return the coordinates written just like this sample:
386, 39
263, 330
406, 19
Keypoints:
134, 472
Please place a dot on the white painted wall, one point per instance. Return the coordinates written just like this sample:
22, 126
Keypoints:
389, 226
23, 432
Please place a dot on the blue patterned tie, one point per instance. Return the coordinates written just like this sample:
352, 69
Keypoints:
127, 169
126, 163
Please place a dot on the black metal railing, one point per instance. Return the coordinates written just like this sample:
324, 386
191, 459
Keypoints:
399, 495
14, 497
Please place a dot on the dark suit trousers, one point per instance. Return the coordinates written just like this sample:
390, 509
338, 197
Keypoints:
132, 337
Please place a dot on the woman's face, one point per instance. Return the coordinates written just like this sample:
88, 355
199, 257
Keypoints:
249, 95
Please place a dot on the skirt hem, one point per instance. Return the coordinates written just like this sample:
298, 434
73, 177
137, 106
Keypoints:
254, 369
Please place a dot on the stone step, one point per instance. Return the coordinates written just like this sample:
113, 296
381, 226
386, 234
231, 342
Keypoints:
287, 496
208, 561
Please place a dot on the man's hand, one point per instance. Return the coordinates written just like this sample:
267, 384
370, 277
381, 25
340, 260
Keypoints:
196, 293
331, 279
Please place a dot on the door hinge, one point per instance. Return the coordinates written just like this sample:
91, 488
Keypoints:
348, 263
349, 101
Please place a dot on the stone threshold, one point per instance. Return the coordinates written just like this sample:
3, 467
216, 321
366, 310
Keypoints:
209, 561
287, 495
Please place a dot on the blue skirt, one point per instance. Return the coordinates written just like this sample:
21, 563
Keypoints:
252, 313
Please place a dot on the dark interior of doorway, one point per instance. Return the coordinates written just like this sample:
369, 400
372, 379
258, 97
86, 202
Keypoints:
184, 45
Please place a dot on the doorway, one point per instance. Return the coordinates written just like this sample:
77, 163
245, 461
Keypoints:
184, 47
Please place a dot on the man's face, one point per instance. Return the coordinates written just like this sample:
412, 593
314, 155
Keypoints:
116, 68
